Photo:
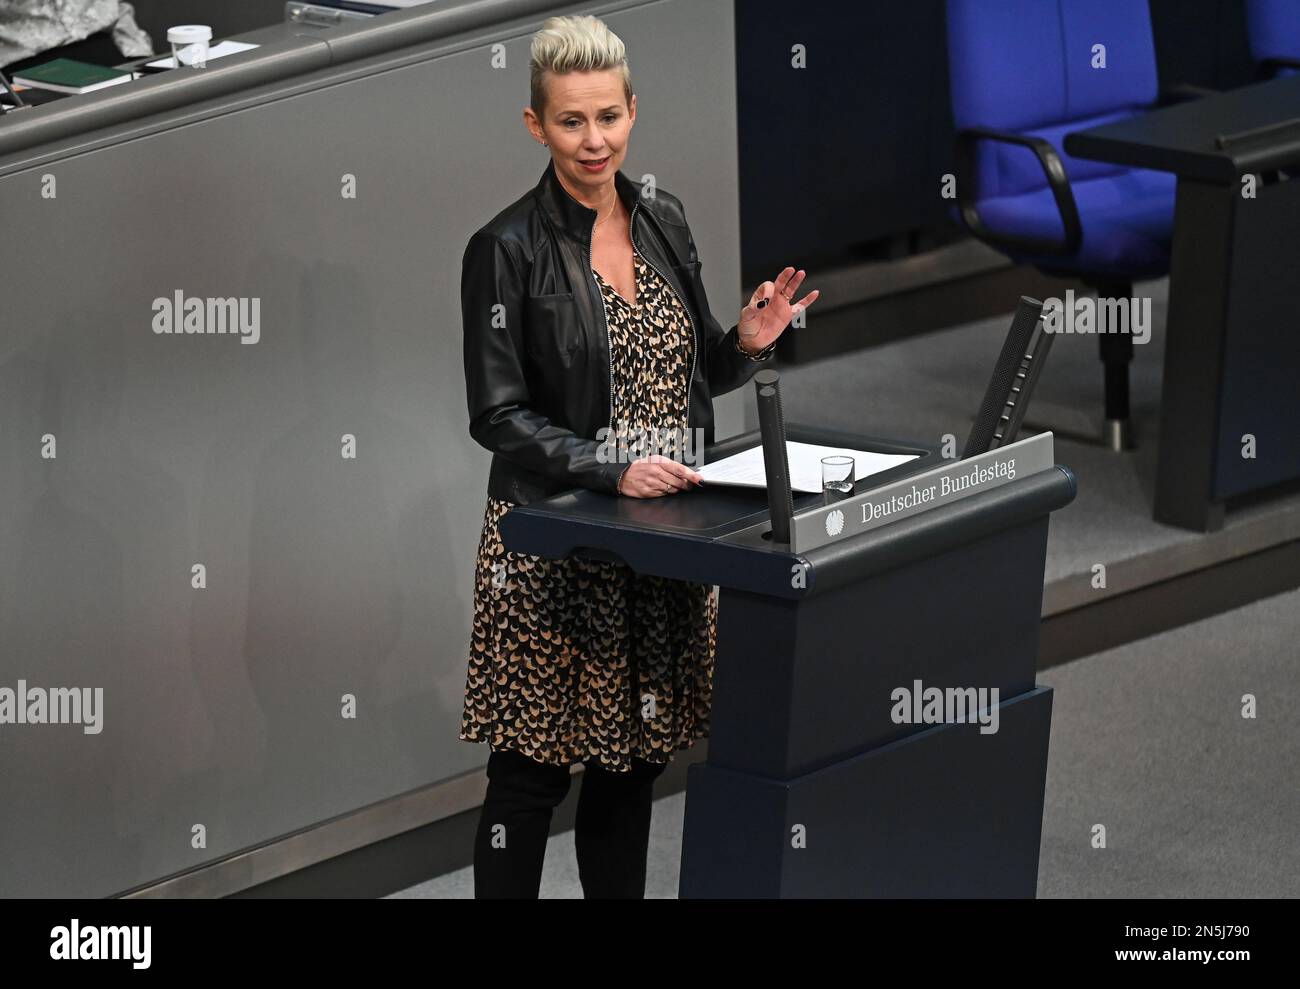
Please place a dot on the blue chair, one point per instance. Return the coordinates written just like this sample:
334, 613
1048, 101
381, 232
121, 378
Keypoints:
1022, 77
1273, 27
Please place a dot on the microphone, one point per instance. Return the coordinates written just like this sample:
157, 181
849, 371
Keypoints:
771, 423
1007, 397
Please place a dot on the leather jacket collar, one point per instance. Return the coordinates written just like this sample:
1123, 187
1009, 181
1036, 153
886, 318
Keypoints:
572, 216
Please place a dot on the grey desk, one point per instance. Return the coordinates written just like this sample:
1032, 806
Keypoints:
1233, 347
269, 35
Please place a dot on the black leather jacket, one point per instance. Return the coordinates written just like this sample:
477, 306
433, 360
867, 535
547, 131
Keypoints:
537, 364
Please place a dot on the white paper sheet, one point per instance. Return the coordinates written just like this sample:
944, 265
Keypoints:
746, 468
214, 51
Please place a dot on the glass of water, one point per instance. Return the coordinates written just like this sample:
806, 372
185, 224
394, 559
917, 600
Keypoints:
837, 478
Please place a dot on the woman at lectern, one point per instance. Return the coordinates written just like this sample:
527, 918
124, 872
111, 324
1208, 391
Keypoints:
586, 328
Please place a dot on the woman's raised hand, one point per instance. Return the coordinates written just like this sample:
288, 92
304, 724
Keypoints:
657, 475
770, 310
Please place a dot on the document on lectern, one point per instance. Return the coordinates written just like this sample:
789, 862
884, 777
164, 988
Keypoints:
745, 469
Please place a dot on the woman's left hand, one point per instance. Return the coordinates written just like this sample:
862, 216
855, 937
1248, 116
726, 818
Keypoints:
770, 310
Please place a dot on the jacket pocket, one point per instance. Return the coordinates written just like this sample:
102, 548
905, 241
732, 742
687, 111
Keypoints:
689, 275
688, 271
552, 332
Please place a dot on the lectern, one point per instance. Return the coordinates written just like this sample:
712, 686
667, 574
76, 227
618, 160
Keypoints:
835, 766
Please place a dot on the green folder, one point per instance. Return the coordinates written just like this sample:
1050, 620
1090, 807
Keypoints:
67, 75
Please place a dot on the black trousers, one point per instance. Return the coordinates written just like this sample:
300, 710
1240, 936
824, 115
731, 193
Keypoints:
611, 832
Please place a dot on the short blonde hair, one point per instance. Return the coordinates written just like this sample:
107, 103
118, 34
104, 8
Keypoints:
581, 43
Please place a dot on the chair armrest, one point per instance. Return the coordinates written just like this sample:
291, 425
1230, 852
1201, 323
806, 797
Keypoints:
1268, 66
967, 141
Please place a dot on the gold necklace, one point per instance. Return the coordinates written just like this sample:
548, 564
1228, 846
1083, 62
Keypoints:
612, 210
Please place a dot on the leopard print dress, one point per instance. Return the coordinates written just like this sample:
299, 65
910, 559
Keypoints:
583, 660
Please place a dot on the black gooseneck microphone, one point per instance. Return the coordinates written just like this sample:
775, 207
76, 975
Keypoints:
1019, 364
771, 423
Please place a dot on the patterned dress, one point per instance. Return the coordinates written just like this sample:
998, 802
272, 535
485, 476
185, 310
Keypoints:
584, 660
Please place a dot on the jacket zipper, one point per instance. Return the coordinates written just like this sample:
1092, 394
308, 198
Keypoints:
609, 344
695, 344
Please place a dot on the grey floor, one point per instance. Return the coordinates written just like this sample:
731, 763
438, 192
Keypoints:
1147, 739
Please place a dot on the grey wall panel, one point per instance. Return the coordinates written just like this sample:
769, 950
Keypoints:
325, 576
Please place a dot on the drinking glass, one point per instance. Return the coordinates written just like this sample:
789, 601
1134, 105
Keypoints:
837, 478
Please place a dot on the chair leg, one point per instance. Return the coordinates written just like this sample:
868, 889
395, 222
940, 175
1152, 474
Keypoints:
1116, 352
